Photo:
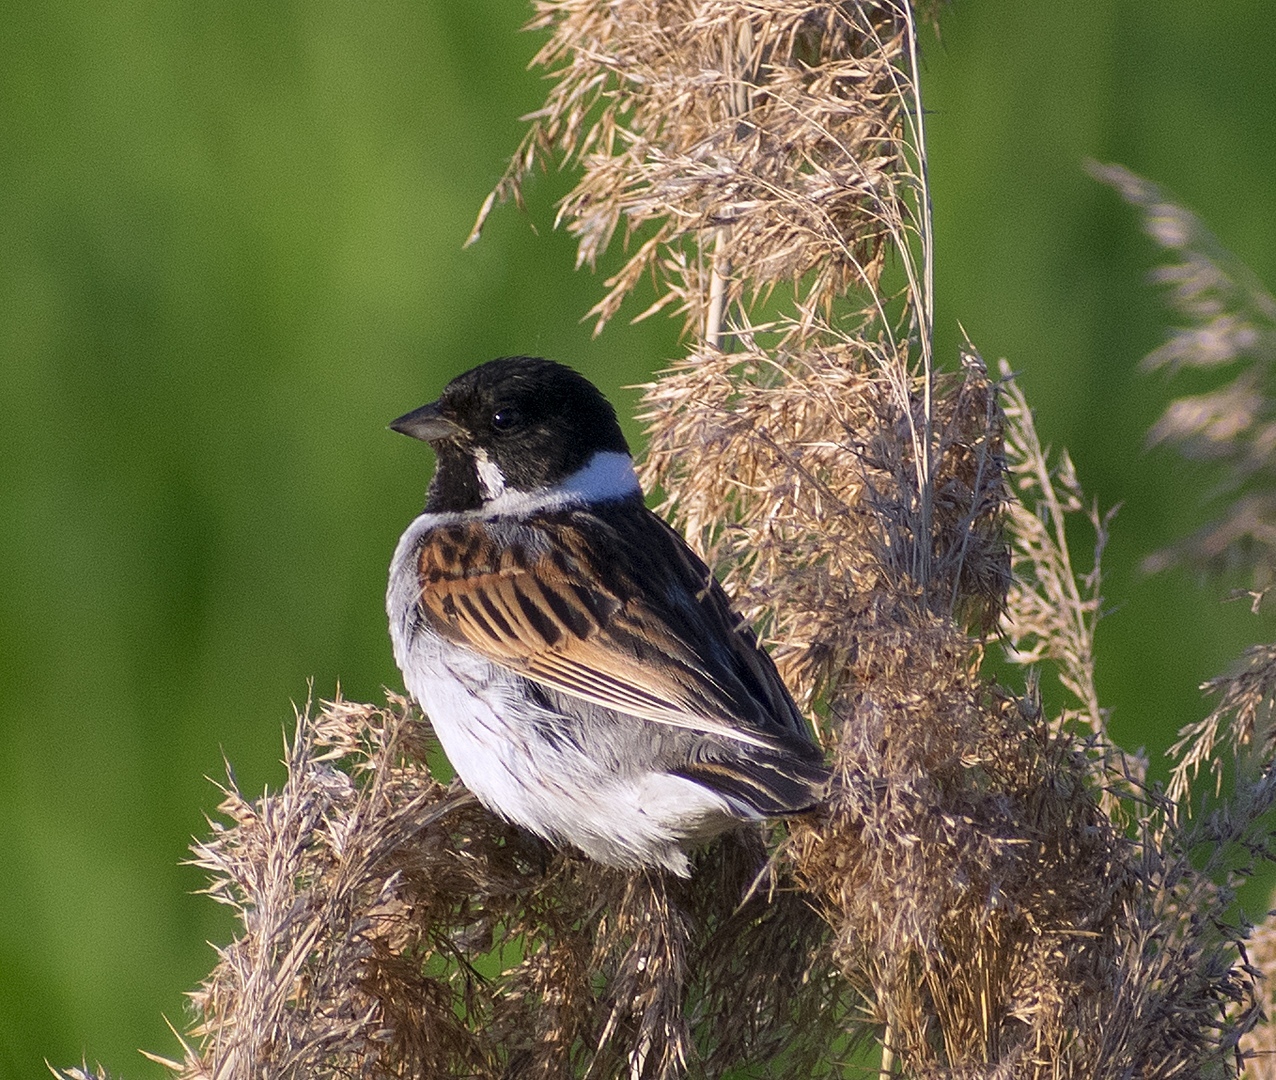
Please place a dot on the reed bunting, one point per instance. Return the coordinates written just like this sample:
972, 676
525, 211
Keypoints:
581, 667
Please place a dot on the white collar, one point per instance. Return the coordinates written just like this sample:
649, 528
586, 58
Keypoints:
607, 476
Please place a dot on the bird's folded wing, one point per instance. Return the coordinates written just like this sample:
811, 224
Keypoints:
616, 612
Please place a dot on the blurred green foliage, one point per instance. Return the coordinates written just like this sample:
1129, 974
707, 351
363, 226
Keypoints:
230, 253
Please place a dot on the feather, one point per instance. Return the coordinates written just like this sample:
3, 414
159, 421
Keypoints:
612, 608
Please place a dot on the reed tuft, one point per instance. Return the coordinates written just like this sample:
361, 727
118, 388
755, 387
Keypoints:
1230, 328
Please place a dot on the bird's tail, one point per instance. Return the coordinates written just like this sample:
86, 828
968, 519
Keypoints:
765, 782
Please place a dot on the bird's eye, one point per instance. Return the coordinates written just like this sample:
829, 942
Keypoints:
504, 419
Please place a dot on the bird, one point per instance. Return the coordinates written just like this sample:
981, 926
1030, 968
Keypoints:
581, 667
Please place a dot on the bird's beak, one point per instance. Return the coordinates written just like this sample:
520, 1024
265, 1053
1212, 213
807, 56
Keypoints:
426, 424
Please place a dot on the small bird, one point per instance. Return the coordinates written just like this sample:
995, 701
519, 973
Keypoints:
581, 667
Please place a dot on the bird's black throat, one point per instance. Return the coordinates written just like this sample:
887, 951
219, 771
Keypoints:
455, 485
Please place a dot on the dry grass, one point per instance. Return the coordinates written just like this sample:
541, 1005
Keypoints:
392, 927
1230, 328
990, 891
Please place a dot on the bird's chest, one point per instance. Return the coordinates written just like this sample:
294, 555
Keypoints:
506, 747
477, 709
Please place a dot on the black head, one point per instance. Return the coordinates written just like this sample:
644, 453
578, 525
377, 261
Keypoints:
533, 421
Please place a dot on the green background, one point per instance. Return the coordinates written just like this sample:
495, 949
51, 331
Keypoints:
230, 253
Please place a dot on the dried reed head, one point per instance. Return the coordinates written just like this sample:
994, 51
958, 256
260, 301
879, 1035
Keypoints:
1231, 329
392, 927
741, 146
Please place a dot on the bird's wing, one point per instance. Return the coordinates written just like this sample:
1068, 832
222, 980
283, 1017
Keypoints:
613, 608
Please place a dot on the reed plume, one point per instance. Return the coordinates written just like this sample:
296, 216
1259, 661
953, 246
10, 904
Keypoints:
989, 890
